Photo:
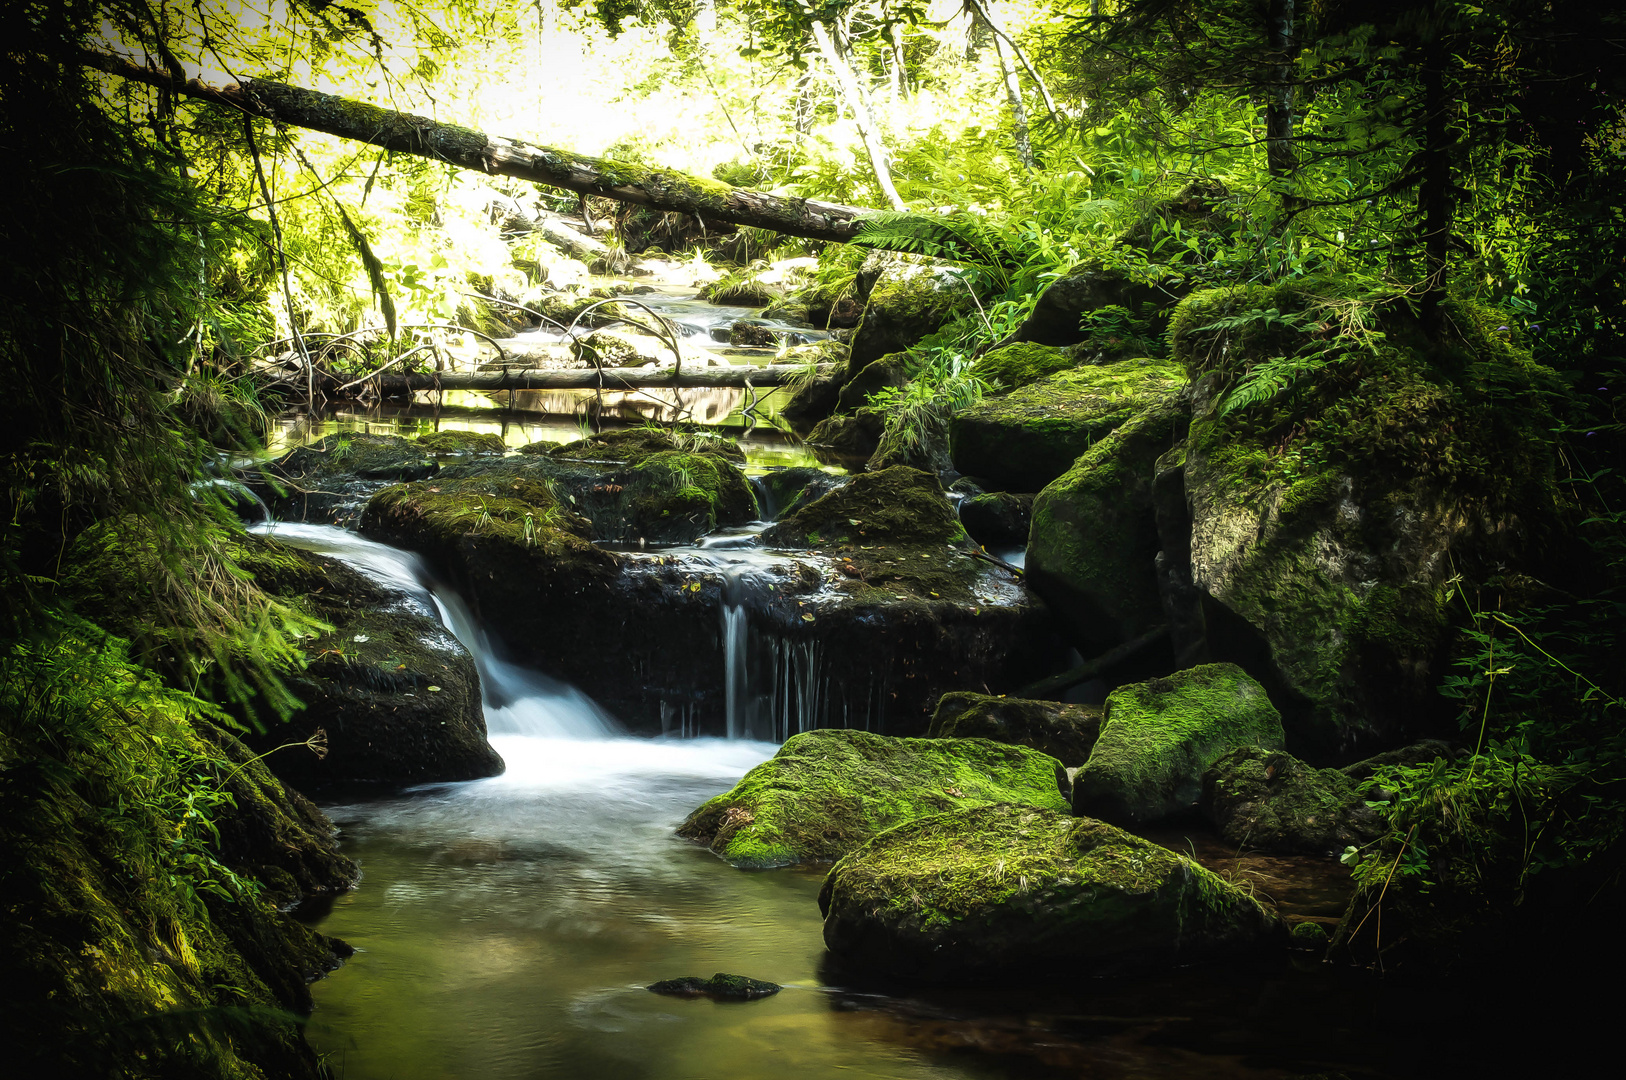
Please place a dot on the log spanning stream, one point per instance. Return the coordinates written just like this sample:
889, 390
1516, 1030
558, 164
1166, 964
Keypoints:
506, 929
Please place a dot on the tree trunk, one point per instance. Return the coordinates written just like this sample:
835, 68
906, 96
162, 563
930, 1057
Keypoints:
661, 189
612, 379
1279, 105
835, 54
1013, 94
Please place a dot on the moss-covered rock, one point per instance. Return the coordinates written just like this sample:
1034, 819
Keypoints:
1011, 367
1017, 892
917, 437
1270, 801
720, 987
1065, 732
1328, 522
997, 518
847, 439
329, 480
906, 298
826, 792
1025, 439
900, 505
460, 442
889, 372
786, 490
1094, 540
1159, 737
634, 445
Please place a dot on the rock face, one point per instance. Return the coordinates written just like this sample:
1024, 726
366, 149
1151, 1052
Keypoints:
906, 297
1023, 440
1268, 800
899, 505
1094, 539
1008, 892
997, 518
1326, 525
826, 792
395, 695
1159, 737
1065, 732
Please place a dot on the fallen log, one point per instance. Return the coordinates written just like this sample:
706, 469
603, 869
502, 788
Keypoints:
644, 378
659, 189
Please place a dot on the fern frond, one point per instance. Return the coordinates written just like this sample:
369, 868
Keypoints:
958, 237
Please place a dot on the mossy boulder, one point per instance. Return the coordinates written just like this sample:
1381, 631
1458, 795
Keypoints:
826, 792
1065, 732
634, 445
889, 372
906, 297
1331, 525
1011, 367
1023, 440
1159, 737
395, 696
1003, 891
846, 439
720, 987
1094, 540
918, 438
783, 491
329, 480
808, 401
460, 442
897, 505
997, 518
1270, 801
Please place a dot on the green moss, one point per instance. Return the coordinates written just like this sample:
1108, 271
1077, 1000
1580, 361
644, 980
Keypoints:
633, 445
462, 442
1005, 888
520, 511
827, 791
698, 487
1025, 439
900, 504
1159, 737
369, 457
1269, 801
1018, 365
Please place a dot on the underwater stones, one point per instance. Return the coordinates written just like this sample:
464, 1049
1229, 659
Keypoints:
906, 298
720, 987
395, 696
1268, 800
1094, 540
1016, 365
825, 792
896, 505
1065, 732
1006, 891
997, 518
461, 442
1023, 440
1159, 737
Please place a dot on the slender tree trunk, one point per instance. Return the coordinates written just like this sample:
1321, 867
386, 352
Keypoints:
1016, 50
661, 189
834, 51
1013, 91
806, 103
1279, 106
900, 72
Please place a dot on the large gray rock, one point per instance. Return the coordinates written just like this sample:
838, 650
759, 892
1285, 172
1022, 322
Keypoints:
1065, 732
1270, 801
1159, 737
1016, 892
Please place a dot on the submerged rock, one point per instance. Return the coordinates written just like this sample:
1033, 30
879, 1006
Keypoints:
826, 792
1065, 732
1019, 892
720, 987
1023, 440
1159, 737
1268, 800
900, 505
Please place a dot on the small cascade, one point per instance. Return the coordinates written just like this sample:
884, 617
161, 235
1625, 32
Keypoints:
516, 700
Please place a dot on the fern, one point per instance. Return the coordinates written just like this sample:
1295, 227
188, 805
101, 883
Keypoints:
1265, 380
957, 237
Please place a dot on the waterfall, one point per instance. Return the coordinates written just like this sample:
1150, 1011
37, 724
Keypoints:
516, 700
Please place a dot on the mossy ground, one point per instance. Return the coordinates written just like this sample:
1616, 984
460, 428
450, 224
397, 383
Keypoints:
896, 505
828, 791
1020, 890
1159, 737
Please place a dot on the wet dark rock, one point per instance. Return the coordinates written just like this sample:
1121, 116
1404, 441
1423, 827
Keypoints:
1158, 738
1418, 753
898, 505
1023, 440
1003, 892
328, 481
720, 987
750, 333
1065, 732
790, 489
889, 372
997, 519
848, 439
827, 792
1268, 800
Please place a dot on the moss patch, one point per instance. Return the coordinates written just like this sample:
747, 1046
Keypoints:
900, 505
1159, 737
828, 791
1011, 890
462, 442
1015, 366
633, 445
1024, 440
1268, 800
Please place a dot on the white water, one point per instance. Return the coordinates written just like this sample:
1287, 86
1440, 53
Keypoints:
516, 700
